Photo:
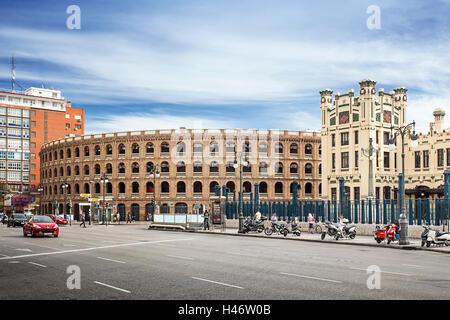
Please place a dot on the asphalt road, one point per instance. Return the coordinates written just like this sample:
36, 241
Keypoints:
131, 262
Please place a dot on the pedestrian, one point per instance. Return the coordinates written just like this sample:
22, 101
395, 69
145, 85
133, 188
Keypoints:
83, 220
206, 220
258, 216
274, 217
129, 217
311, 221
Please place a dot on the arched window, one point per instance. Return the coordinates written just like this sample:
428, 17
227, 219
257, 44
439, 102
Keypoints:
213, 147
69, 189
68, 171
165, 187
308, 188
262, 148
61, 171
214, 167
198, 187
49, 173
320, 189
109, 168
165, 147
121, 167
109, 187
181, 187
320, 149
135, 148
61, 154
230, 167
212, 186
308, 149
230, 147
77, 170
97, 169
181, 207
135, 187
121, 149
278, 187
121, 187
86, 170
56, 155
246, 146
149, 167
263, 187
165, 167
135, 167
149, 148
181, 167
55, 172
293, 168
77, 152
55, 190
86, 151
49, 156
247, 168
262, 167
149, 188
320, 168
77, 188
181, 148
109, 149
198, 147
231, 186
86, 188
197, 166
97, 150
247, 187
278, 167
278, 147
293, 149
68, 153
97, 188
308, 168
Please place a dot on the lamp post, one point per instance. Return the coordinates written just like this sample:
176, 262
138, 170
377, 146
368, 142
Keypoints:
154, 173
104, 180
402, 131
369, 153
242, 162
40, 189
91, 212
65, 185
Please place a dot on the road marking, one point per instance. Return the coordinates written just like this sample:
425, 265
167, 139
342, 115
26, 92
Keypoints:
180, 257
397, 273
308, 277
27, 250
93, 248
110, 241
243, 254
4, 255
111, 260
221, 283
109, 286
40, 245
37, 264
14, 262
69, 245
412, 265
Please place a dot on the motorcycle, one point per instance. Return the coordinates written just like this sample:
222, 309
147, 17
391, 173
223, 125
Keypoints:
346, 231
392, 233
424, 235
273, 227
438, 238
291, 228
252, 225
330, 229
380, 234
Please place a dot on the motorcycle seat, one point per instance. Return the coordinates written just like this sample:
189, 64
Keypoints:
438, 233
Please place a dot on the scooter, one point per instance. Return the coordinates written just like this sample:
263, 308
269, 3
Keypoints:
392, 233
438, 238
330, 229
380, 234
346, 231
291, 228
252, 225
424, 235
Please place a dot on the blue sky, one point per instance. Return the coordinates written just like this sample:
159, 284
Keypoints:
247, 64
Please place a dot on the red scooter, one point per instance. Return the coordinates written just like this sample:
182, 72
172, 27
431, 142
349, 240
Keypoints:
380, 234
392, 233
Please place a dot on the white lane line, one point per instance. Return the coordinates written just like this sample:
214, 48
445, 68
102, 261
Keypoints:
308, 277
412, 265
221, 283
243, 254
3, 255
69, 245
111, 260
37, 264
14, 262
39, 245
93, 248
396, 273
180, 257
112, 287
26, 250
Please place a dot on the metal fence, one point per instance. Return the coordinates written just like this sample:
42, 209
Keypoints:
419, 212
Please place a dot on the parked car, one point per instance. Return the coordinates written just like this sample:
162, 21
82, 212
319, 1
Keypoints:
16, 219
59, 219
40, 225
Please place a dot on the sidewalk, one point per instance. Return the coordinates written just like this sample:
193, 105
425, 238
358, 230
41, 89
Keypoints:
305, 236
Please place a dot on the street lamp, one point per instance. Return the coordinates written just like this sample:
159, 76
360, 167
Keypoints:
154, 173
91, 212
369, 153
104, 180
402, 131
242, 162
65, 185
40, 189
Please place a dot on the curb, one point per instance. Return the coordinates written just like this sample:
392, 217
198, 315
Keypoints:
406, 247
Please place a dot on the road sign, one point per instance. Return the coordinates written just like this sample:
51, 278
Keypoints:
87, 195
170, 204
93, 199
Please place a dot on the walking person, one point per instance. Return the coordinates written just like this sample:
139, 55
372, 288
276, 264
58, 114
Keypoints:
206, 220
128, 217
83, 220
311, 221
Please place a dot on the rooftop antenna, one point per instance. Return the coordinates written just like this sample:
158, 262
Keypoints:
13, 73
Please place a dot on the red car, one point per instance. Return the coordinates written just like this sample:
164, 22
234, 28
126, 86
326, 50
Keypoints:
40, 225
59, 219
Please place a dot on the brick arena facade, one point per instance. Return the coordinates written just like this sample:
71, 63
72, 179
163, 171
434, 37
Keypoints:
191, 163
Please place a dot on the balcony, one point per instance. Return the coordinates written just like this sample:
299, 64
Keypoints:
165, 174
181, 194
181, 174
135, 155
135, 175
198, 194
278, 175
135, 195
164, 195
121, 156
263, 195
278, 195
198, 174
149, 155
308, 156
121, 175
165, 154
213, 174
230, 174
121, 196
109, 157
149, 195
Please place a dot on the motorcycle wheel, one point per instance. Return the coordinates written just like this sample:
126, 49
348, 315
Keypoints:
268, 231
260, 229
447, 243
297, 233
352, 236
389, 240
423, 243
337, 237
428, 244
322, 236
379, 240
285, 232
